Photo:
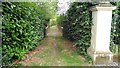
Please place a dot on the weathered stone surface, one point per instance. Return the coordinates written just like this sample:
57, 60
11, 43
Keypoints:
100, 40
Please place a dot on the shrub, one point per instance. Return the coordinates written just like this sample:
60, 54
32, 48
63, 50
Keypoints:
60, 20
77, 25
115, 31
22, 29
116, 26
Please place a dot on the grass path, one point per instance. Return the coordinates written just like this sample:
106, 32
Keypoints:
54, 51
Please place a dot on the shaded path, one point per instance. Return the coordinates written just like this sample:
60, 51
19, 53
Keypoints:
54, 51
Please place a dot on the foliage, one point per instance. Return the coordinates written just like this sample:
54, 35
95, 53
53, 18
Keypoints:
117, 25
53, 22
50, 12
0, 34
77, 25
115, 31
22, 28
48, 8
60, 20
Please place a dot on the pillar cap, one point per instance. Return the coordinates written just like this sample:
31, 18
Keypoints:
102, 8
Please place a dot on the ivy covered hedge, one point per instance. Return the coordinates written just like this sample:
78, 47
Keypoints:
22, 28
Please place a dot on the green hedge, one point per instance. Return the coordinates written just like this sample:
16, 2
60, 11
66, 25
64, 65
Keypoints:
116, 25
115, 31
22, 29
60, 20
77, 24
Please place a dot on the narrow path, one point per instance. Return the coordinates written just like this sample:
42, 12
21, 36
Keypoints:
54, 50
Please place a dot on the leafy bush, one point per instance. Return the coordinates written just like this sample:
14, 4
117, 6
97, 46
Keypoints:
22, 29
115, 32
52, 22
60, 20
77, 25
116, 27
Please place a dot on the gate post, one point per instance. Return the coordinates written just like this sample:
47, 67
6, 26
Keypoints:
101, 29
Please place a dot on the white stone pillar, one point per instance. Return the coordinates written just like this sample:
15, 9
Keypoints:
101, 29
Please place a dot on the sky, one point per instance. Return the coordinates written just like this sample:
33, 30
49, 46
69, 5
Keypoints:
63, 6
